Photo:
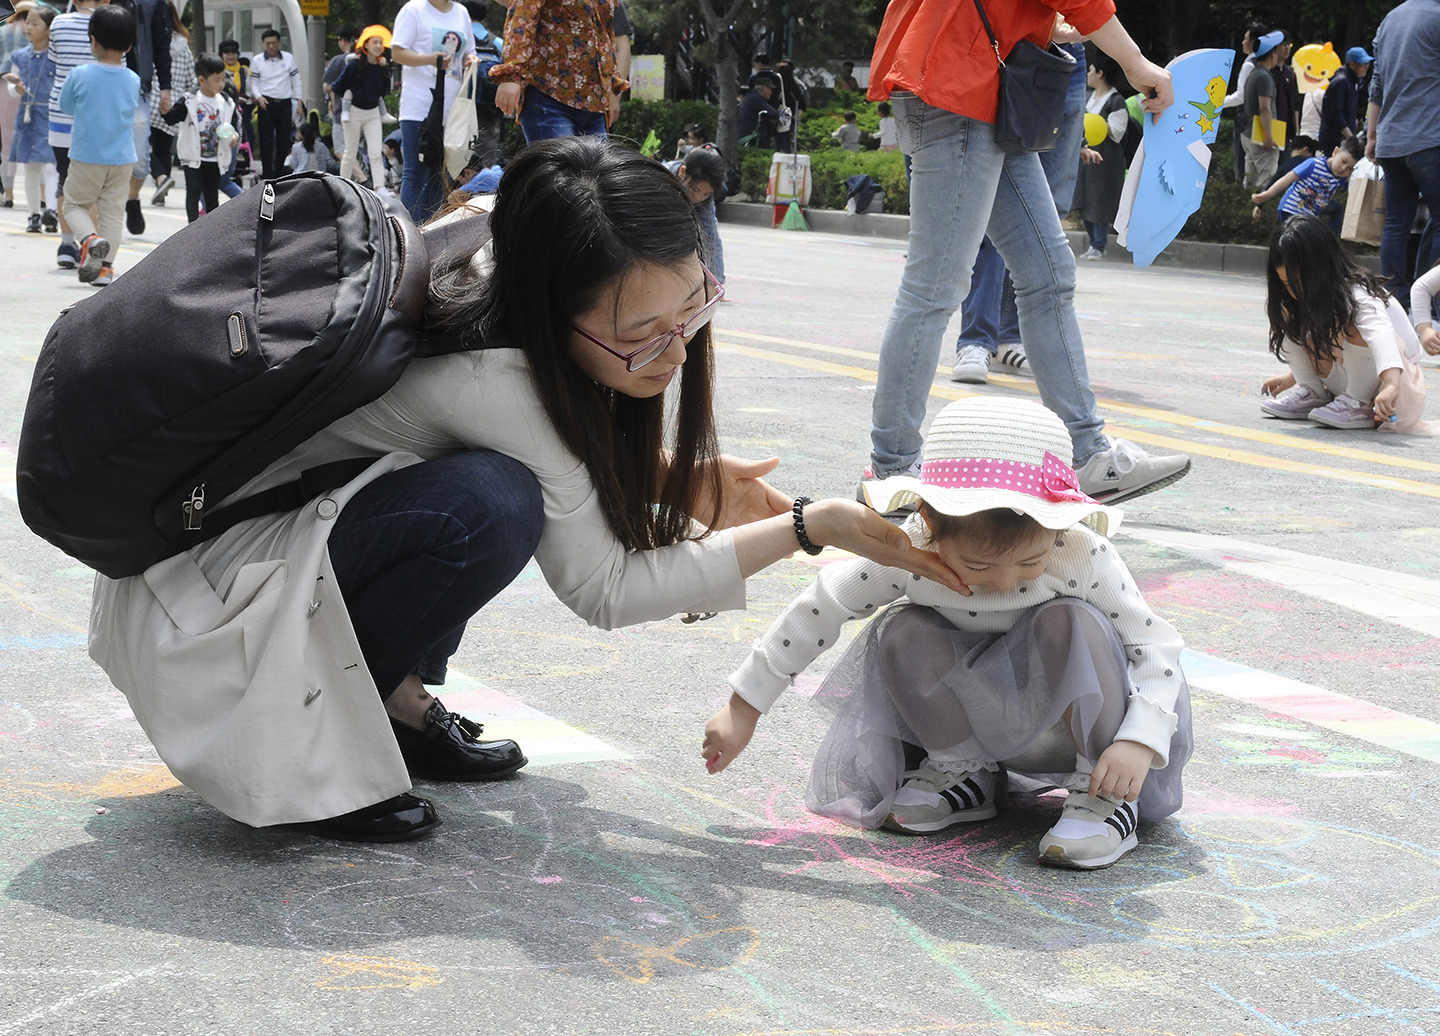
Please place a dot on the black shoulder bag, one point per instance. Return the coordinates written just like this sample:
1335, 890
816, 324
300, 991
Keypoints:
1033, 85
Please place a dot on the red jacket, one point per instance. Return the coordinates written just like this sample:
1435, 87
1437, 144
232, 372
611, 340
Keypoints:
938, 50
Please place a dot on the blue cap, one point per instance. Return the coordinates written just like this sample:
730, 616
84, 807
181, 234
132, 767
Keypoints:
1357, 56
1265, 44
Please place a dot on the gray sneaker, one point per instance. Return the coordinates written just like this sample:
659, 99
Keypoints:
1125, 470
1091, 833
1294, 404
932, 800
1344, 412
1010, 359
972, 365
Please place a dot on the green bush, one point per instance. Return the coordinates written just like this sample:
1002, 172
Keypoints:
828, 172
667, 118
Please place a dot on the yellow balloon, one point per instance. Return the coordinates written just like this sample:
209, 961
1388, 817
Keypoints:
1095, 129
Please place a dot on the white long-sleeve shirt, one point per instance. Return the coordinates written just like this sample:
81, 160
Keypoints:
1083, 565
1422, 297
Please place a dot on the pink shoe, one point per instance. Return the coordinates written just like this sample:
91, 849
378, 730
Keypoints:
1294, 404
1344, 412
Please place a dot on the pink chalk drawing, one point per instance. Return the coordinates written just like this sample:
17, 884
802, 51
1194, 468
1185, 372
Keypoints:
908, 866
1208, 800
554, 879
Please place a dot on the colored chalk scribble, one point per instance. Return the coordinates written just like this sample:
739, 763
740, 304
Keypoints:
354, 973
704, 951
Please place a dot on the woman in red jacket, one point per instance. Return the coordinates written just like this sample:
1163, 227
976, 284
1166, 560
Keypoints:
934, 63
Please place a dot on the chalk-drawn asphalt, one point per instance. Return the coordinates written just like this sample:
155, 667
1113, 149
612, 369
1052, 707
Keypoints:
615, 888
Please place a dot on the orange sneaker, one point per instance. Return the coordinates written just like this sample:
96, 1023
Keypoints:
94, 250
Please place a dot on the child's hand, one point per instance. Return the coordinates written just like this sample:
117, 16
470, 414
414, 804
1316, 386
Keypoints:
1278, 384
1121, 771
1258, 198
1091, 156
1385, 401
1430, 341
728, 732
1256, 214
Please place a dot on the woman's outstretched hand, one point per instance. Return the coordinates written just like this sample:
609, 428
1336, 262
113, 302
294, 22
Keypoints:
728, 732
748, 497
854, 527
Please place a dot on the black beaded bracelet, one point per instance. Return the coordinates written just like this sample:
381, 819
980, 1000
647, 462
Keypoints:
799, 511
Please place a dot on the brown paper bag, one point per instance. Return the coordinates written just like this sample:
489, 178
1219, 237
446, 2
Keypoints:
1364, 211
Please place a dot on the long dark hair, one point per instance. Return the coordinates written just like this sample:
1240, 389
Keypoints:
572, 217
1323, 278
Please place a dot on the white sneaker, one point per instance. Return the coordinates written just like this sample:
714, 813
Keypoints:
1091, 833
1125, 470
1010, 359
932, 800
1093, 254
972, 365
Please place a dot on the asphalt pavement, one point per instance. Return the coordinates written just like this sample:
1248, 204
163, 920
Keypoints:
615, 887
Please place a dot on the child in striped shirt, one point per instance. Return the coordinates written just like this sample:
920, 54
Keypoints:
1053, 666
1310, 186
69, 49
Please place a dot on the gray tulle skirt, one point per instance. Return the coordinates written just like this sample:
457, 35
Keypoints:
913, 683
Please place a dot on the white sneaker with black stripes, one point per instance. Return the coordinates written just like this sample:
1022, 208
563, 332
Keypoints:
1091, 833
932, 800
1010, 359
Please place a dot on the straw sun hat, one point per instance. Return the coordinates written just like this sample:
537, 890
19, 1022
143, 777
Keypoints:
983, 453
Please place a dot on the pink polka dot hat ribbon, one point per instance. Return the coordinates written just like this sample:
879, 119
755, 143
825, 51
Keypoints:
1053, 480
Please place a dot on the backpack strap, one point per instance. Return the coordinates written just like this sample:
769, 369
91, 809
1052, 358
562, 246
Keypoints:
289, 496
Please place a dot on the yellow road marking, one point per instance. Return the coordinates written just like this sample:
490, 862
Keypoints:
1144, 412
1364, 478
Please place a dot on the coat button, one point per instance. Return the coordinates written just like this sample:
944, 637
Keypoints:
327, 508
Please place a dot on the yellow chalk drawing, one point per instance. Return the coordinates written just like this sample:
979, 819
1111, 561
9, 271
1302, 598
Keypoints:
127, 783
635, 962
358, 973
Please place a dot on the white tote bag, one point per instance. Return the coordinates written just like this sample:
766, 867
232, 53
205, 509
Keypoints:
462, 126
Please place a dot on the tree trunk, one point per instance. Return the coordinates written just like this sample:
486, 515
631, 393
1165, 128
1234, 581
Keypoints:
197, 27
727, 77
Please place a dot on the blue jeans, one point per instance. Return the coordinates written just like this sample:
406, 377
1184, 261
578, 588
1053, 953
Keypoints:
1099, 235
712, 248
1406, 179
421, 189
419, 551
961, 183
543, 118
988, 312
228, 185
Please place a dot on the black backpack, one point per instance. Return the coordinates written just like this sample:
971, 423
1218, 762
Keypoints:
230, 344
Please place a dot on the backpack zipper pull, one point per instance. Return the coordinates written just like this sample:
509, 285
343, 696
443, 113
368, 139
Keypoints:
193, 508
267, 202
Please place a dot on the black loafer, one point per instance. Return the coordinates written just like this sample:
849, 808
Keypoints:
450, 749
395, 820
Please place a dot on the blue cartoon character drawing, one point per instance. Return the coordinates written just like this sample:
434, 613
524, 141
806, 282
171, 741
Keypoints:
1167, 176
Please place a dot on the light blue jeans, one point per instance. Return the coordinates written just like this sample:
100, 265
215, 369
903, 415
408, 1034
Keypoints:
962, 187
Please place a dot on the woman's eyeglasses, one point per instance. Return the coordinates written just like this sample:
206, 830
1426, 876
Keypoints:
637, 358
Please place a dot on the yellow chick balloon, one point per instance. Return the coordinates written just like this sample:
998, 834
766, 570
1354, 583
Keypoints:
1314, 64
1095, 129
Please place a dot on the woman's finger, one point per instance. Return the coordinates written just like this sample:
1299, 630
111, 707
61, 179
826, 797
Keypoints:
739, 467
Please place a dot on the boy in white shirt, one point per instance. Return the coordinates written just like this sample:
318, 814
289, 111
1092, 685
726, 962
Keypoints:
208, 137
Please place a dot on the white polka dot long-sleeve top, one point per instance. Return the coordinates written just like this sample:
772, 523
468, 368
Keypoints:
1083, 565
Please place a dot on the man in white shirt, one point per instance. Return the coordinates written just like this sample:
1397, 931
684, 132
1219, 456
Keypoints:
427, 32
275, 82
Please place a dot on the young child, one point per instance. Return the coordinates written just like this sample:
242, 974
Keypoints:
1352, 352
367, 77
31, 76
1422, 308
848, 133
309, 152
694, 137
69, 49
394, 163
1311, 185
703, 171
101, 98
1053, 665
888, 136
209, 137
